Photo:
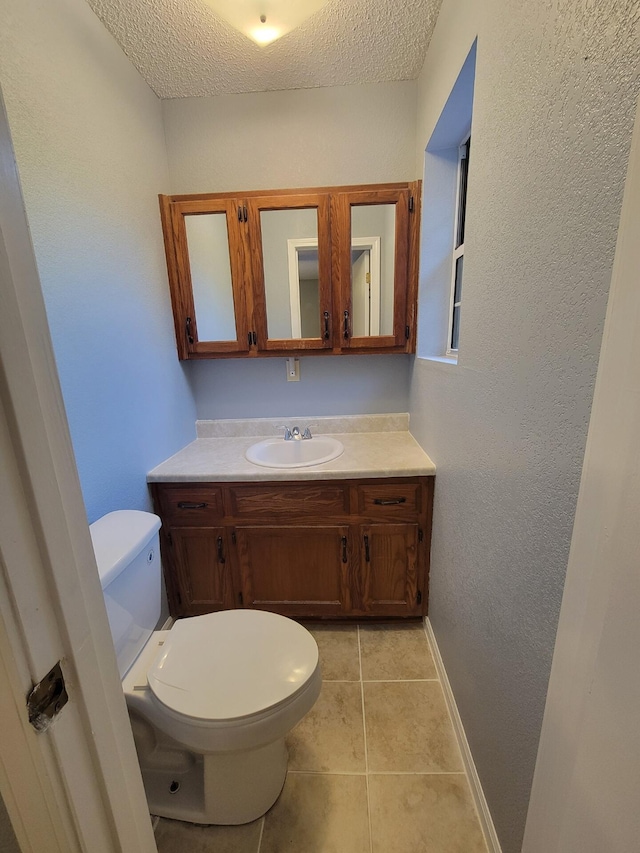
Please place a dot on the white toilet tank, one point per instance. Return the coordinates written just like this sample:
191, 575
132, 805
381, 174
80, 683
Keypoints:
127, 549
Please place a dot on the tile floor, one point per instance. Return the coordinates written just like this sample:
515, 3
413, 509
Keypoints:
373, 768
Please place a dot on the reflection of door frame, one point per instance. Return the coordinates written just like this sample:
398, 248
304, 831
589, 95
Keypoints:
295, 243
373, 245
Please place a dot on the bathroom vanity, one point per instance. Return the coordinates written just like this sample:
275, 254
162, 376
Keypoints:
347, 539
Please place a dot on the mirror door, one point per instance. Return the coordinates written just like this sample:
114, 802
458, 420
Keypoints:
373, 262
291, 270
211, 268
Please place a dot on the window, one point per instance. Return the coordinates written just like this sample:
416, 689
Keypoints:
446, 161
458, 248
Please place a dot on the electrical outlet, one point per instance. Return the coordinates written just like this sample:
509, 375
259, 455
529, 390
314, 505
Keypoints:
293, 370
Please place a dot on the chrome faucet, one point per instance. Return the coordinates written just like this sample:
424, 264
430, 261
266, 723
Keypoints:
294, 434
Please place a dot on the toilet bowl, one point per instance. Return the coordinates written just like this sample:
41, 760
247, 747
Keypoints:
212, 699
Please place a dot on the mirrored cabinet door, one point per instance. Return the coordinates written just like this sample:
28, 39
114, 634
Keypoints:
373, 264
211, 269
291, 271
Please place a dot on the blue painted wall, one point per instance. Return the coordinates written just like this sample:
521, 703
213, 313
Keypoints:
89, 142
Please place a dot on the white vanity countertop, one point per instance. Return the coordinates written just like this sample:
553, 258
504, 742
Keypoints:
382, 449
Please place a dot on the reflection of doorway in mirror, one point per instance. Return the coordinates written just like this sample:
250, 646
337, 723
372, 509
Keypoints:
304, 287
365, 286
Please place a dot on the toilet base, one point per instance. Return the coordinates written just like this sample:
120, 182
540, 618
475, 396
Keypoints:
225, 788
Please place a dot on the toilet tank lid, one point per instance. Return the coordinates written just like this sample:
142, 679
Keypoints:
118, 538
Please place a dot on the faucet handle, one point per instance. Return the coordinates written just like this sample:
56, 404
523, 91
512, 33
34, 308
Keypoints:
307, 430
287, 432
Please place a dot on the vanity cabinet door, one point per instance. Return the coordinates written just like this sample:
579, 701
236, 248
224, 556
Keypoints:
201, 579
392, 569
209, 274
291, 271
375, 236
295, 570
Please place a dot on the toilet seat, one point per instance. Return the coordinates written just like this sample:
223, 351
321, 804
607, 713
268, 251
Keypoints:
262, 659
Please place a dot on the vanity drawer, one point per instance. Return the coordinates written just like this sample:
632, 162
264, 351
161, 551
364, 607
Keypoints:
190, 504
287, 500
389, 500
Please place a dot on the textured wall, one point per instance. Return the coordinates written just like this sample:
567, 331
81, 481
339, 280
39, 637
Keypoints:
319, 137
329, 385
89, 142
554, 95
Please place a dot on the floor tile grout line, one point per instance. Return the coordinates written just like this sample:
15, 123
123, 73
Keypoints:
261, 833
376, 773
379, 680
366, 750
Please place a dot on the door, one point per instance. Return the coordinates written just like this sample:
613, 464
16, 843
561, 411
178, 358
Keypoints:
200, 557
76, 785
391, 569
295, 570
381, 216
291, 270
209, 272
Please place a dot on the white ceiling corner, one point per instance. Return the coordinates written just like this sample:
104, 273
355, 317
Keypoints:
182, 49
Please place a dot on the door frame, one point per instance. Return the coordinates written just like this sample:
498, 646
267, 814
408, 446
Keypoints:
76, 786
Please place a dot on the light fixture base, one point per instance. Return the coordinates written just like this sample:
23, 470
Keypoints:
264, 21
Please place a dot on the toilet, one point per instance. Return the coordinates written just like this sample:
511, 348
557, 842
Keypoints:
212, 699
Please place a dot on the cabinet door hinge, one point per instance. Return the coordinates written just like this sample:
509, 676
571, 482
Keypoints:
420, 535
188, 330
407, 332
47, 699
178, 598
411, 204
419, 597
241, 599
169, 538
233, 537
254, 338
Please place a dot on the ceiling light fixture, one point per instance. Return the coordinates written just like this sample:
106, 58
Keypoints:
264, 21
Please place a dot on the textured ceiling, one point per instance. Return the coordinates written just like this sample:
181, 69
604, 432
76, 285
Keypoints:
182, 49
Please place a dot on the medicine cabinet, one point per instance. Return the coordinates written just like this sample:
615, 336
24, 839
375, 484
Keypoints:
293, 272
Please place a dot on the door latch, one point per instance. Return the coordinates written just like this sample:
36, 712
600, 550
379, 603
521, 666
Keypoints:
47, 699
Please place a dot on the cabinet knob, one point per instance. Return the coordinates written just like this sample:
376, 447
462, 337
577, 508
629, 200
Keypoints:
389, 501
187, 505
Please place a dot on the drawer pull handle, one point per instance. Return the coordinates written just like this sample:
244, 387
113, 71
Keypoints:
390, 501
187, 505
220, 550
367, 553
344, 549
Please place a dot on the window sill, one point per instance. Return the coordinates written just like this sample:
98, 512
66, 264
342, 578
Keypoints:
439, 359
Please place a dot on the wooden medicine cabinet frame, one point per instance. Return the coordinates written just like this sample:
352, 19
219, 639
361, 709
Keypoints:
242, 212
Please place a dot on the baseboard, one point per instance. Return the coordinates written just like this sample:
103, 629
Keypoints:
486, 822
168, 623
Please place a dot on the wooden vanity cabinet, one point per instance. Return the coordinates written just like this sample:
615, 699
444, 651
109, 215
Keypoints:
329, 549
319, 271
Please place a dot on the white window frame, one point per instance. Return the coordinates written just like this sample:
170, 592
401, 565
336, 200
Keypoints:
458, 251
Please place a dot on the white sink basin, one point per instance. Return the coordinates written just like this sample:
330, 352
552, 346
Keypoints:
278, 453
